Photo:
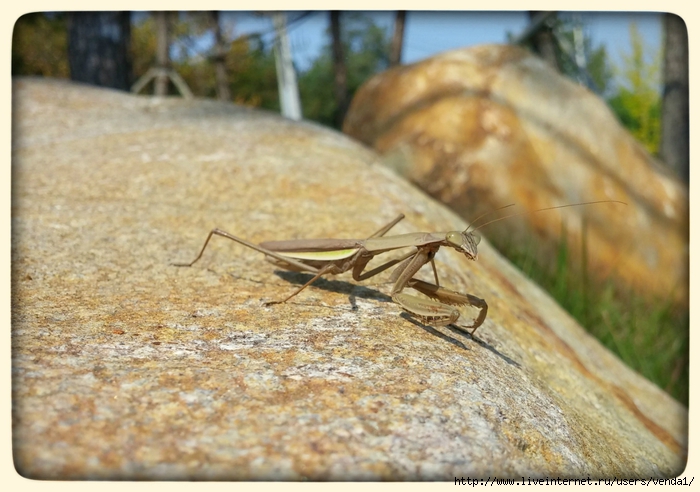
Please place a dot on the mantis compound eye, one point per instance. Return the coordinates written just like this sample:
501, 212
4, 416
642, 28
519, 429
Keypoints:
455, 239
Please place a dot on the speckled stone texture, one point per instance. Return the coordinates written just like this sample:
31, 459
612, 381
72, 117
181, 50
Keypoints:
126, 367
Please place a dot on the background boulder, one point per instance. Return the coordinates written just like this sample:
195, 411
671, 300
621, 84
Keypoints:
482, 127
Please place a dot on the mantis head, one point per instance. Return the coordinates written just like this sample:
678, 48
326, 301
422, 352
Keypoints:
464, 242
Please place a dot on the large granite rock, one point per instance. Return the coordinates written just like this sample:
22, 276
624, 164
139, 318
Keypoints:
125, 367
482, 127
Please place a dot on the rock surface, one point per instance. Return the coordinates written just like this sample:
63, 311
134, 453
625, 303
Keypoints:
125, 367
483, 127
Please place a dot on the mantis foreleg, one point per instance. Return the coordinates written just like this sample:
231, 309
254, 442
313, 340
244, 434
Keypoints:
438, 311
446, 296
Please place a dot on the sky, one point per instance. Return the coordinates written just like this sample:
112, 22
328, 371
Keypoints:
430, 32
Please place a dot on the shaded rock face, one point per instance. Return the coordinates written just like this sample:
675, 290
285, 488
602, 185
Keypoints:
483, 127
126, 367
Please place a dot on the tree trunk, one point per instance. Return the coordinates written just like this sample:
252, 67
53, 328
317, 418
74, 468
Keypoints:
675, 129
222, 81
542, 40
98, 48
397, 40
339, 70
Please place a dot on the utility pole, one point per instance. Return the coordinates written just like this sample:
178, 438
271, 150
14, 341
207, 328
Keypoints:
286, 76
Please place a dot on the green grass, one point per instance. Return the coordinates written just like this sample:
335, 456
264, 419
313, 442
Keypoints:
650, 337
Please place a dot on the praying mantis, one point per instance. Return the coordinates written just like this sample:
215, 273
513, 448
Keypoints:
335, 256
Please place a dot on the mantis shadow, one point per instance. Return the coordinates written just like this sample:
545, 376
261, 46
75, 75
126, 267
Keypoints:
433, 331
457, 343
337, 286
353, 291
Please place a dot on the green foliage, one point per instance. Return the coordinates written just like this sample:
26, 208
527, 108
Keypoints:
316, 91
143, 45
600, 70
253, 74
366, 48
251, 71
651, 338
597, 73
638, 103
39, 46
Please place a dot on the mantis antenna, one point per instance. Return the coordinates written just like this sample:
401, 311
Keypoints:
487, 213
538, 210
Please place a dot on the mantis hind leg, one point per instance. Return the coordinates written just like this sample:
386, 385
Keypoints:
328, 269
281, 260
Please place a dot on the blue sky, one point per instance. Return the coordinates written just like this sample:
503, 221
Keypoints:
430, 32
